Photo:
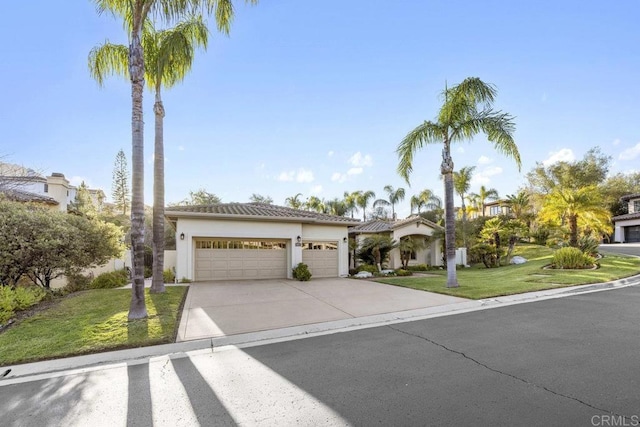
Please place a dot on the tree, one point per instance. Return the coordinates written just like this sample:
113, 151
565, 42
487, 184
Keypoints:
459, 118
409, 245
293, 202
120, 184
201, 198
395, 197
426, 199
258, 198
362, 200
579, 209
83, 203
314, 203
335, 207
351, 202
375, 249
168, 55
519, 204
44, 244
461, 185
134, 14
483, 195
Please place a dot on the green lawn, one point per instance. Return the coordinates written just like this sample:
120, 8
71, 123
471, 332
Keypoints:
90, 322
479, 282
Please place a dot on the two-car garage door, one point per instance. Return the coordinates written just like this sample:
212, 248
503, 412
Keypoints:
219, 259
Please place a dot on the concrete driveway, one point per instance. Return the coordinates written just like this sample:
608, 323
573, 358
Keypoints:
621, 248
215, 309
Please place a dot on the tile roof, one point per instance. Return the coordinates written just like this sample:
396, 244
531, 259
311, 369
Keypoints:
381, 225
25, 196
252, 210
630, 196
633, 215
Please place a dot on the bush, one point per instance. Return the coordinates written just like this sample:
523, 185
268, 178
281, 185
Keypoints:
367, 267
168, 276
588, 245
148, 272
7, 304
418, 267
301, 272
185, 280
20, 298
76, 282
540, 236
353, 272
485, 253
401, 272
112, 279
572, 258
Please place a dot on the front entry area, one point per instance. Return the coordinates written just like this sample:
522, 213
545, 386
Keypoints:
226, 259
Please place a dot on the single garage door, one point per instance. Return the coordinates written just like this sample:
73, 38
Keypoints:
224, 259
321, 257
632, 234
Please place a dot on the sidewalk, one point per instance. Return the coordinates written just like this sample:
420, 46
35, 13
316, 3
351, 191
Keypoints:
45, 369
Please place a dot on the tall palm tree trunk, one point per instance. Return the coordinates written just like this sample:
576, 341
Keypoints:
449, 217
464, 222
157, 284
137, 309
573, 230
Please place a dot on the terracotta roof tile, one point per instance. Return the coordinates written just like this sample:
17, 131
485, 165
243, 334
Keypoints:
257, 210
25, 196
633, 215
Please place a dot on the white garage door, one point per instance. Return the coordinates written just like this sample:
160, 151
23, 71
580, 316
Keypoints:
220, 259
321, 257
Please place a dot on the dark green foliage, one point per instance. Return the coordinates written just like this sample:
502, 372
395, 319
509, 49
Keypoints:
572, 258
375, 249
20, 298
484, 253
76, 282
301, 272
367, 267
112, 279
401, 272
588, 245
541, 236
418, 267
169, 276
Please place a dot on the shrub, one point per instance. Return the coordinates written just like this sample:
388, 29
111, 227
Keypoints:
7, 304
353, 272
485, 253
76, 282
168, 276
540, 236
148, 272
418, 267
112, 279
401, 272
301, 272
367, 267
185, 280
26, 297
588, 245
571, 258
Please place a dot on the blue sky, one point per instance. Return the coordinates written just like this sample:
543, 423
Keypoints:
314, 97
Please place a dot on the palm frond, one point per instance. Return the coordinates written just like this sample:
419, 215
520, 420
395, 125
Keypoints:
108, 59
426, 133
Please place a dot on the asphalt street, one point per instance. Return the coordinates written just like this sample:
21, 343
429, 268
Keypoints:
569, 361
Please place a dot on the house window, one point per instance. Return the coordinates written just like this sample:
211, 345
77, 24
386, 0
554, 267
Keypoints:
46, 188
494, 210
636, 206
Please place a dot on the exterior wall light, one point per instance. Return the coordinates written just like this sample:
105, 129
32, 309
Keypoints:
344, 240
181, 236
298, 239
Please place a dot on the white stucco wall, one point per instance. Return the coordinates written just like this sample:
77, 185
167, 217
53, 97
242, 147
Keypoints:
197, 228
619, 229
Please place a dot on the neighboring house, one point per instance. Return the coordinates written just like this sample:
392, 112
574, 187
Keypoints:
25, 185
627, 227
257, 241
495, 208
414, 226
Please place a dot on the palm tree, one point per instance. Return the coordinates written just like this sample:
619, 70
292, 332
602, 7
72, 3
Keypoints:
362, 200
459, 119
168, 57
486, 194
408, 245
461, 184
294, 202
134, 14
518, 204
426, 199
583, 208
259, 198
336, 207
350, 201
395, 196
380, 245
314, 203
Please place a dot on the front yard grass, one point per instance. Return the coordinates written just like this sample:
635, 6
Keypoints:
479, 282
90, 322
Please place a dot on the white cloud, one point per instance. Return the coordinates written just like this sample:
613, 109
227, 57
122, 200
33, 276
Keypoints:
301, 175
355, 171
630, 153
484, 176
304, 175
180, 147
563, 155
484, 160
330, 153
338, 177
358, 160
316, 189
77, 180
616, 142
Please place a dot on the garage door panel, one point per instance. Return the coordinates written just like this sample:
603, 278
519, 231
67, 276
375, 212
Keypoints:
322, 262
217, 264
